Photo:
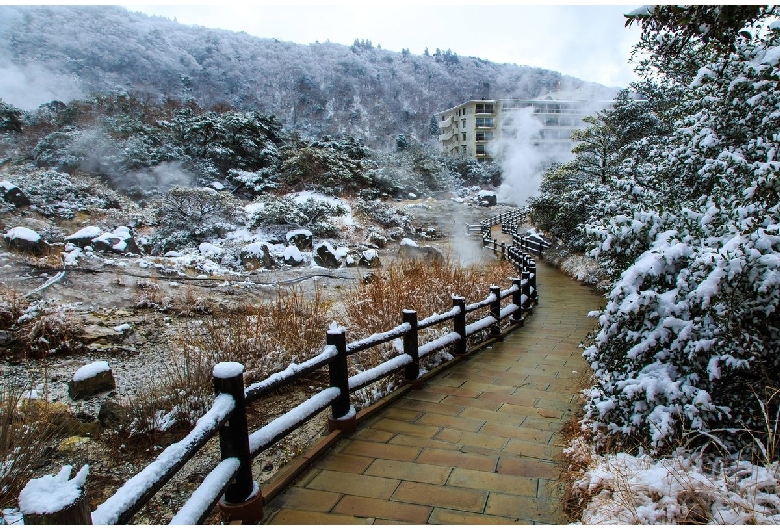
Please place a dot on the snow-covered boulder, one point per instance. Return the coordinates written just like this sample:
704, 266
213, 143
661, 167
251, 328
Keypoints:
257, 256
210, 251
26, 240
83, 238
293, 256
91, 379
487, 198
325, 256
369, 259
12, 194
120, 241
301, 239
375, 237
411, 250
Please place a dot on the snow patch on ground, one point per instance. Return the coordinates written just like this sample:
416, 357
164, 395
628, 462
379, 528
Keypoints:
630, 489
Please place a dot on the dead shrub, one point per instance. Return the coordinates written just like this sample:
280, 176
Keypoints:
267, 337
39, 329
12, 306
177, 397
151, 296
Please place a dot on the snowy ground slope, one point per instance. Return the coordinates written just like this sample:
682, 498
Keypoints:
629, 489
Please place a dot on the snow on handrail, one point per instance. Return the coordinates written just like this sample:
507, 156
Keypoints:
284, 424
480, 324
509, 291
378, 338
208, 493
438, 319
277, 379
483, 303
369, 376
437, 344
133, 493
509, 310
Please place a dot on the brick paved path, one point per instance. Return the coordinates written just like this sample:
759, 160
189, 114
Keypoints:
479, 444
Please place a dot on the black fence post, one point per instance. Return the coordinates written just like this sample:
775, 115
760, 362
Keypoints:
534, 290
526, 298
495, 312
339, 377
459, 324
503, 251
517, 299
234, 435
411, 345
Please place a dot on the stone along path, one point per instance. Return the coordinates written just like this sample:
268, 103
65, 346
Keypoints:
478, 444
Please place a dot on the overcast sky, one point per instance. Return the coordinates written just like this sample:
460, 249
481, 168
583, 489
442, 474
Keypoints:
586, 41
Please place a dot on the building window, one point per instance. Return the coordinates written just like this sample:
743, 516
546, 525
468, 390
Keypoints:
481, 150
484, 108
463, 148
463, 121
484, 122
464, 136
484, 136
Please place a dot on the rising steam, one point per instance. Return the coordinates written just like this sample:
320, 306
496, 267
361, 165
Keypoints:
524, 158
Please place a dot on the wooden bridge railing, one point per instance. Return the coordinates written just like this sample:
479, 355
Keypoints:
227, 417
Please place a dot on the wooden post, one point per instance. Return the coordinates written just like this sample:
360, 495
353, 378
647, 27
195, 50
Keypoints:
526, 299
495, 312
411, 346
503, 251
339, 377
517, 299
534, 290
234, 435
77, 512
459, 324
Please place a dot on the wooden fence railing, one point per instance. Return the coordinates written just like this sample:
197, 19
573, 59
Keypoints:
227, 418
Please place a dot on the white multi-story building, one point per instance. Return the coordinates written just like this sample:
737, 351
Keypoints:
469, 128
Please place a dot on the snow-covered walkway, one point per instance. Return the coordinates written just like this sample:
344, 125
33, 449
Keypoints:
478, 444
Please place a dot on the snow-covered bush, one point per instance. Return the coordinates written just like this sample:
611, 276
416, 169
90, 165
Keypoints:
313, 212
333, 166
57, 194
193, 215
384, 214
688, 341
626, 489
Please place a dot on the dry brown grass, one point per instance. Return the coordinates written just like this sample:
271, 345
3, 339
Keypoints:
12, 306
28, 431
265, 338
426, 287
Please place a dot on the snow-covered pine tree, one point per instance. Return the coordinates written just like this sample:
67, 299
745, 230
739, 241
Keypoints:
688, 344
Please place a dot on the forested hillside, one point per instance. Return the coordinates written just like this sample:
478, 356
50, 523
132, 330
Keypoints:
320, 88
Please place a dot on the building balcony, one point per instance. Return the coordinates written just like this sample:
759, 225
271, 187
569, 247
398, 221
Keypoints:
444, 136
